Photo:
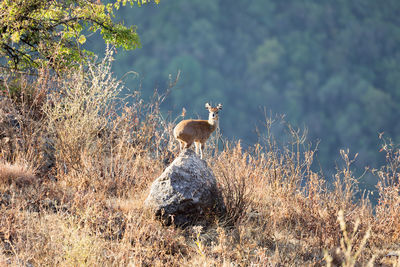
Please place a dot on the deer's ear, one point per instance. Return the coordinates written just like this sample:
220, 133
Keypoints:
219, 106
208, 106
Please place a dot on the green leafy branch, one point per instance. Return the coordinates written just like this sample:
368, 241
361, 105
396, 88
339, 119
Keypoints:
50, 33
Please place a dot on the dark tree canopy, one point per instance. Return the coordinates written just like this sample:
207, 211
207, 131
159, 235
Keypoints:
332, 66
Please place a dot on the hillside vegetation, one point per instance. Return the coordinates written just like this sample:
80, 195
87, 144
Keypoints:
77, 160
332, 66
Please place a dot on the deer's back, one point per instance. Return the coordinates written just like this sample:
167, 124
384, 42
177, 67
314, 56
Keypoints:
193, 130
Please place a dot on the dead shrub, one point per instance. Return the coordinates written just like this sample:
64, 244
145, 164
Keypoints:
235, 176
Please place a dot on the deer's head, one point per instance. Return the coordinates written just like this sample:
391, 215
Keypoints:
213, 112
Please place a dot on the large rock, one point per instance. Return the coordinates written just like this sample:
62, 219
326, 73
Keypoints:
185, 191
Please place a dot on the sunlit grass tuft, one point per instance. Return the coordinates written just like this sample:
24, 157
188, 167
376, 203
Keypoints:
16, 175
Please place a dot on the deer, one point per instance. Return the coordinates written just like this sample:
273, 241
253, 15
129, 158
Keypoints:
192, 131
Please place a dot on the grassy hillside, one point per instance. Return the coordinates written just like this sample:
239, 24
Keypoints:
77, 162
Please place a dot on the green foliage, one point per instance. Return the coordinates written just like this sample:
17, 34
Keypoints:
40, 33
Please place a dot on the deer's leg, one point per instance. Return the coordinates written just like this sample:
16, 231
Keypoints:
188, 144
181, 145
201, 146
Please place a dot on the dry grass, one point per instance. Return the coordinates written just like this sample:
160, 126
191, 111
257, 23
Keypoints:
76, 166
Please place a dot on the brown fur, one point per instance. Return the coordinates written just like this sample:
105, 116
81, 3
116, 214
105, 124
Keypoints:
188, 132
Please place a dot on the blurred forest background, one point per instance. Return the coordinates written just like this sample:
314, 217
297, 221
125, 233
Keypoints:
330, 66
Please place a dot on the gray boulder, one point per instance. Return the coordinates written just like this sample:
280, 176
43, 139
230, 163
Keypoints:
185, 192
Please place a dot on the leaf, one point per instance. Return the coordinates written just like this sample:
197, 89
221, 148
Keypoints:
15, 37
82, 39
